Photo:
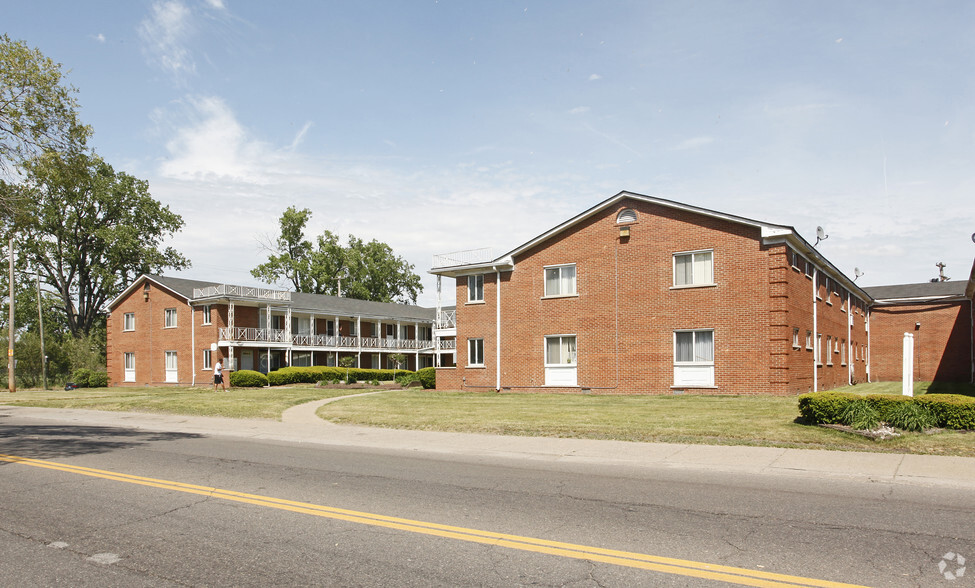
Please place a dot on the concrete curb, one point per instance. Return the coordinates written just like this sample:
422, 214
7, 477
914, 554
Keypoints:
299, 424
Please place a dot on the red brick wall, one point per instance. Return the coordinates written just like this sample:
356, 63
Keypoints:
758, 299
942, 344
151, 339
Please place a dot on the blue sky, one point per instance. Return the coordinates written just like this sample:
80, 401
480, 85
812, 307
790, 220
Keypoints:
438, 126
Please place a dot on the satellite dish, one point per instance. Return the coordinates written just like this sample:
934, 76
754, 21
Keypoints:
820, 235
857, 273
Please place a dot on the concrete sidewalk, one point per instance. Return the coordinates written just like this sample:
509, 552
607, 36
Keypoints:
300, 425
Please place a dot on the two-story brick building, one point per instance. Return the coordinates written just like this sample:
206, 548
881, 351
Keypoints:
646, 295
173, 330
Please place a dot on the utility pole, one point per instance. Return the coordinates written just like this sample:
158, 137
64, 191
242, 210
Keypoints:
11, 381
40, 322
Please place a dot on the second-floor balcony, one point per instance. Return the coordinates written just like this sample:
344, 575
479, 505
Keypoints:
282, 338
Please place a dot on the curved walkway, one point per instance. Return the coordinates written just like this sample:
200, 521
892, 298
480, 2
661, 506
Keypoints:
299, 424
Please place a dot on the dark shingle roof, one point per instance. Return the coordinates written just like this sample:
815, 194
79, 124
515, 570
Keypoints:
922, 290
318, 303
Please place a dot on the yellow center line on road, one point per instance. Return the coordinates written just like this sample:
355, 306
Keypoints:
666, 565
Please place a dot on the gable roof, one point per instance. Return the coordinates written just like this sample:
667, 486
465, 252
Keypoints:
770, 232
300, 301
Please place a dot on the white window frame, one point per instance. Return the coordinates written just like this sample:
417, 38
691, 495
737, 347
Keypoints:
475, 352
206, 314
819, 349
172, 367
170, 318
701, 275
809, 340
795, 338
563, 369
475, 289
829, 350
566, 285
301, 358
697, 371
207, 359
128, 321
128, 365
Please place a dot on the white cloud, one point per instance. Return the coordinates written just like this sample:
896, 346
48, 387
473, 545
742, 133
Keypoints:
579, 110
595, 77
164, 34
99, 37
693, 143
208, 142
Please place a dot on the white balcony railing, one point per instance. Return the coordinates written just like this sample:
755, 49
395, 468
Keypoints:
463, 257
448, 344
242, 292
252, 335
447, 319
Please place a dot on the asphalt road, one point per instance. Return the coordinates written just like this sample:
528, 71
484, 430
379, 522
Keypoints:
114, 506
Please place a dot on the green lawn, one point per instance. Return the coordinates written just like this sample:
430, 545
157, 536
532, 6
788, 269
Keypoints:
715, 420
250, 403
710, 420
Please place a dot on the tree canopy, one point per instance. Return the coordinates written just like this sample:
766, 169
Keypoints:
367, 271
37, 111
92, 232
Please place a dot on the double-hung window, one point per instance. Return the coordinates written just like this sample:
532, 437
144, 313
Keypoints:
475, 288
694, 268
694, 358
560, 360
475, 352
207, 359
128, 321
129, 366
172, 372
170, 318
206, 314
560, 280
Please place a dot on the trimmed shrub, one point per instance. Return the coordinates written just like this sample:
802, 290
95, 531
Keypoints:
885, 403
824, 407
248, 379
428, 377
98, 380
951, 411
860, 414
911, 416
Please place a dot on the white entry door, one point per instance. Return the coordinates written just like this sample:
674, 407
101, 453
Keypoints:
172, 373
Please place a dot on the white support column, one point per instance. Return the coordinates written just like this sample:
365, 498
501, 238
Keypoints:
288, 335
907, 378
231, 335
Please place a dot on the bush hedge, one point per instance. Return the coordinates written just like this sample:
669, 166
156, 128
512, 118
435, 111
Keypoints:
949, 411
428, 377
320, 373
86, 378
247, 379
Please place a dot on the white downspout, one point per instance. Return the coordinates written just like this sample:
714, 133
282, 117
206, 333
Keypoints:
497, 334
849, 341
866, 319
816, 341
192, 344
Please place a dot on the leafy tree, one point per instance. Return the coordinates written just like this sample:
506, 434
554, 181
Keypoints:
37, 111
290, 253
368, 271
93, 231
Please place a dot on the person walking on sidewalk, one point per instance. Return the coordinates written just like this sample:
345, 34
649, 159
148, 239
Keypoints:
218, 376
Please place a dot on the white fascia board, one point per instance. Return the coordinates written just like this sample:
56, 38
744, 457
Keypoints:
794, 240
137, 282
503, 263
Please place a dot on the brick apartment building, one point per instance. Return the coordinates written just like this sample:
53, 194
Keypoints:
170, 330
645, 295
